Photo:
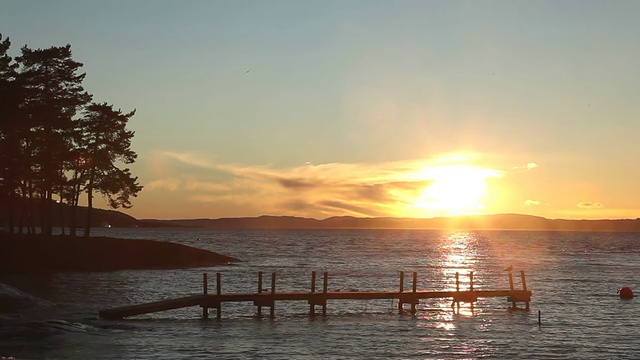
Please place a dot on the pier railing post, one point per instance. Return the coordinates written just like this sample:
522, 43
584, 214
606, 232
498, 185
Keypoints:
205, 286
219, 292
415, 288
325, 287
312, 306
513, 303
400, 303
472, 296
273, 293
259, 291
524, 287
457, 296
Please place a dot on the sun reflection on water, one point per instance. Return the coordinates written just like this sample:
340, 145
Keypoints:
460, 255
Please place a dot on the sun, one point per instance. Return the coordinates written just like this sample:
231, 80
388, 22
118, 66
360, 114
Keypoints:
453, 190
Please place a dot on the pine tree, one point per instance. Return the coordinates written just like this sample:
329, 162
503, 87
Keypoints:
10, 132
104, 143
53, 94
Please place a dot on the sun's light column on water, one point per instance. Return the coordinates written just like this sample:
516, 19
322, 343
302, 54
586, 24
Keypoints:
454, 190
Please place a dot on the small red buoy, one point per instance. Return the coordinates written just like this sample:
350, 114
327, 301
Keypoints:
625, 293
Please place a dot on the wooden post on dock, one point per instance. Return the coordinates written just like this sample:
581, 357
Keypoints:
205, 309
471, 289
524, 287
400, 303
218, 292
454, 302
415, 288
273, 292
325, 287
259, 291
513, 303
312, 306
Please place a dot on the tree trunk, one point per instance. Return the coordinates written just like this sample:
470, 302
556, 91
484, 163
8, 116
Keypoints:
62, 209
73, 221
87, 228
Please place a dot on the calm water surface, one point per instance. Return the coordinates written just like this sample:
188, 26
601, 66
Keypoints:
574, 278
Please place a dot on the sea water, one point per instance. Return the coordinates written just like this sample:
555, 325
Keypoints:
574, 278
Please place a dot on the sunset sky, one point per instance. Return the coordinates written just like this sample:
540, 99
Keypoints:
363, 108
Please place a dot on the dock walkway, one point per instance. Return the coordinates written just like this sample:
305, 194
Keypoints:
314, 298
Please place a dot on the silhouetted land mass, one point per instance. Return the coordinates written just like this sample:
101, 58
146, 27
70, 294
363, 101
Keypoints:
35, 253
62, 213
479, 222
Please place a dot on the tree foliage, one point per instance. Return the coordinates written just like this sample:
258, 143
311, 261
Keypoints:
54, 140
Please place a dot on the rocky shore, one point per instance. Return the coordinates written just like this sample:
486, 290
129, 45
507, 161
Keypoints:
34, 253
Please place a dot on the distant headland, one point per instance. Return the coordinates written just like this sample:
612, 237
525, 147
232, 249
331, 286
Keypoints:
474, 222
112, 218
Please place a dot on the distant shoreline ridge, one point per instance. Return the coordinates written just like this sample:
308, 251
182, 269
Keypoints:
113, 218
471, 222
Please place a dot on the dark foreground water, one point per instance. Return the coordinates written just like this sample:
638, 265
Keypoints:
574, 278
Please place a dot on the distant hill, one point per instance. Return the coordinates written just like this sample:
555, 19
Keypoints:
100, 217
477, 222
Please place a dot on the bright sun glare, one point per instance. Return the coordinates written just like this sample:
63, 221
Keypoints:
455, 190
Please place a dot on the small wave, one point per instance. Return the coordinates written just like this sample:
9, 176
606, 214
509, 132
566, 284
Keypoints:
63, 325
12, 300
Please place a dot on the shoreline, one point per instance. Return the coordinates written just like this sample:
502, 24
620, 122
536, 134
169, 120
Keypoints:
36, 253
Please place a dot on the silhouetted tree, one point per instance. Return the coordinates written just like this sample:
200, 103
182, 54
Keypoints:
10, 146
105, 142
46, 148
53, 94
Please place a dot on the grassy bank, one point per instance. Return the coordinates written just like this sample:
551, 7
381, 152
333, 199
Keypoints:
34, 253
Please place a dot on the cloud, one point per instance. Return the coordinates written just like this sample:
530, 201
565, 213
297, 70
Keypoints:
353, 209
188, 158
529, 166
166, 184
296, 184
205, 186
590, 205
330, 189
529, 202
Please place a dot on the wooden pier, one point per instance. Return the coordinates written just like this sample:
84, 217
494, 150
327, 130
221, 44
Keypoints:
315, 298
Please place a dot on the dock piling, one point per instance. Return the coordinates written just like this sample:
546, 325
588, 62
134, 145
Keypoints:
513, 303
312, 306
456, 298
539, 319
205, 286
400, 303
272, 312
259, 292
524, 287
415, 288
325, 288
218, 293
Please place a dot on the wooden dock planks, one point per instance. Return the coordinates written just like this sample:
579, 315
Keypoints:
313, 298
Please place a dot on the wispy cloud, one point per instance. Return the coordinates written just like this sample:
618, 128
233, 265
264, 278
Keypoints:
590, 205
529, 202
164, 184
188, 158
362, 189
529, 166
